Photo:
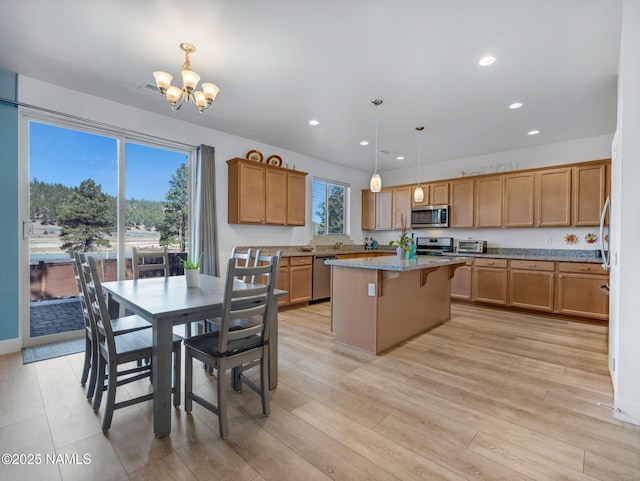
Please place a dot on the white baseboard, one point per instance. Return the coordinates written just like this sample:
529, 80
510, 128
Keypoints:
10, 345
628, 412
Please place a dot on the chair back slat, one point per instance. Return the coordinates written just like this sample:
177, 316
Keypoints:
149, 260
242, 302
76, 261
97, 303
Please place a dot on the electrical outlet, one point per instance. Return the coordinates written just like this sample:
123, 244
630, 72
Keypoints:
372, 290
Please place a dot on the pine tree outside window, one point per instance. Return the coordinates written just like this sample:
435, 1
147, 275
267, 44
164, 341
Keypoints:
329, 207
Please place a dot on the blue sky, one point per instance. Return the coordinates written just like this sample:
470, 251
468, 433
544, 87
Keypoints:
60, 155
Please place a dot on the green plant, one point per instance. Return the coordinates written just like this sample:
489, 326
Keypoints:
188, 264
403, 241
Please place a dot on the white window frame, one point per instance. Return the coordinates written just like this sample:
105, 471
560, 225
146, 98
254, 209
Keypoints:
346, 209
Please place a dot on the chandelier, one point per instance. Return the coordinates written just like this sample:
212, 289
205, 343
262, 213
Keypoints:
199, 100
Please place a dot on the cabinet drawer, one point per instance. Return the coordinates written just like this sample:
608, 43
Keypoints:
534, 265
284, 262
300, 261
581, 267
482, 262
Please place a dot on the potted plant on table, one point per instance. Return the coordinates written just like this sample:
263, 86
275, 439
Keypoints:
192, 271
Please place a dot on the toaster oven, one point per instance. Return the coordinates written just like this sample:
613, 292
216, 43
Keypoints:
473, 246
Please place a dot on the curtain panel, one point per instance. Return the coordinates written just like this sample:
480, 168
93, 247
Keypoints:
206, 221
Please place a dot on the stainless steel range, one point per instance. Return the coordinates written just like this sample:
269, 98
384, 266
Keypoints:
433, 246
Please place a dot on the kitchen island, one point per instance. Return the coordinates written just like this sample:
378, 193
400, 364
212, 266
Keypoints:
379, 302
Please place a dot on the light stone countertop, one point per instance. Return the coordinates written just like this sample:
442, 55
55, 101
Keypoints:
557, 255
391, 263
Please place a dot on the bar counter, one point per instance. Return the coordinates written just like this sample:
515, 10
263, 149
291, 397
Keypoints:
379, 302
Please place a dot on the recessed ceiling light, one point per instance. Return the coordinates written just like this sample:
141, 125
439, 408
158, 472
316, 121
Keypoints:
533, 132
364, 142
488, 60
313, 122
515, 105
400, 157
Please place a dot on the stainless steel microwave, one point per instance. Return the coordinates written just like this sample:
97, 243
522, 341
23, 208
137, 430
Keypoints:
427, 216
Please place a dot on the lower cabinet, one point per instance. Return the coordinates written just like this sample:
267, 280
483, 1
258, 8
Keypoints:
571, 288
531, 285
579, 292
491, 281
461, 282
295, 277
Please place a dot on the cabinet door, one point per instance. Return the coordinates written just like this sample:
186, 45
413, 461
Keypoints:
296, 199
580, 295
461, 282
368, 221
283, 284
402, 208
251, 194
439, 193
488, 205
300, 279
518, 200
425, 190
531, 289
384, 209
275, 186
490, 281
461, 203
588, 194
553, 198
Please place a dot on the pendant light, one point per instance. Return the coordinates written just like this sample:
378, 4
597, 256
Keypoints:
418, 193
376, 180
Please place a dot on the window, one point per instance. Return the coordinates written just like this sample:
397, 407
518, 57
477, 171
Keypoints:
329, 207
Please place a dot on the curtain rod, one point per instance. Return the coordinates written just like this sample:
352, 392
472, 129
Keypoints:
96, 123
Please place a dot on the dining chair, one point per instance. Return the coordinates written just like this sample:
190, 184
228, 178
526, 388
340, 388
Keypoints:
144, 261
119, 326
122, 349
227, 348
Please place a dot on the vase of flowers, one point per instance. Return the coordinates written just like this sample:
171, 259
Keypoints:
192, 271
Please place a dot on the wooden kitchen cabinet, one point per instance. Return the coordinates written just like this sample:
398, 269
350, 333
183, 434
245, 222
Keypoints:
519, 199
300, 279
283, 281
589, 190
461, 201
377, 210
579, 291
401, 213
265, 194
488, 201
553, 197
439, 193
490, 281
531, 285
461, 283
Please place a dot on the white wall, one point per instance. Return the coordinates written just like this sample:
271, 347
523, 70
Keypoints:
625, 300
41, 94
593, 148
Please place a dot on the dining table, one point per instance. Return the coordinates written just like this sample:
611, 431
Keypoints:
167, 302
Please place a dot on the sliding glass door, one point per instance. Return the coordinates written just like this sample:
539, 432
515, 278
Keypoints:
100, 194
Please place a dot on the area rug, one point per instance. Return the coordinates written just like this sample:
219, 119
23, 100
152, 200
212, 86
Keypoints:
49, 351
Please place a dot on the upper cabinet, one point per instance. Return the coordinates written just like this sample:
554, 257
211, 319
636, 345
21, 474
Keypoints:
519, 200
589, 190
387, 209
488, 201
461, 203
435, 193
553, 197
265, 194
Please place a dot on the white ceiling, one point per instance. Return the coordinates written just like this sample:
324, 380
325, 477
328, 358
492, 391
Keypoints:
281, 63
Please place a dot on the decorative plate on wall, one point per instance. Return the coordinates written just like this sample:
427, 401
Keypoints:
275, 160
254, 155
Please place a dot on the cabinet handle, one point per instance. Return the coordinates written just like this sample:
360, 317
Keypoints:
584, 268
560, 277
490, 263
531, 265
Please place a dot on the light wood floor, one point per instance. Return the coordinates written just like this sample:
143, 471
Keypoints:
489, 395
